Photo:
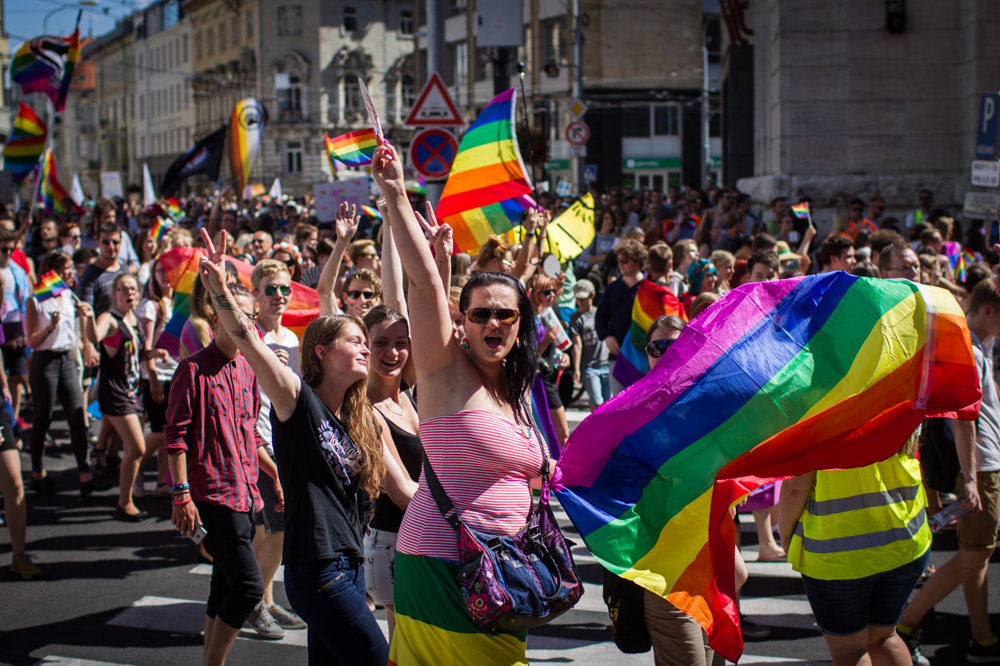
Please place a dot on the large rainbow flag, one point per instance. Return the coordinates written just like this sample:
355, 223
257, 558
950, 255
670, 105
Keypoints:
652, 300
50, 191
488, 187
245, 128
353, 149
181, 265
25, 144
775, 380
45, 64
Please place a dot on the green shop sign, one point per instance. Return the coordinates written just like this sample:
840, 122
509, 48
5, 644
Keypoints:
557, 165
660, 163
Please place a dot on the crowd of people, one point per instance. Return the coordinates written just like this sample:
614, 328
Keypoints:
274, 450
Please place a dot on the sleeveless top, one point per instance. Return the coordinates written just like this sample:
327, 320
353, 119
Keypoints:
485, 462
118, 390
388, 516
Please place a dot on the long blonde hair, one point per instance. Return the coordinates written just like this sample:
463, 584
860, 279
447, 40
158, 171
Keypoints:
357, 413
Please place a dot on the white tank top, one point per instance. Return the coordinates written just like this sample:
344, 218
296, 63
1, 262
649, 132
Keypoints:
64, 337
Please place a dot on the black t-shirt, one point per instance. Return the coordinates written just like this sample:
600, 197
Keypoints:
388, 516
318, 467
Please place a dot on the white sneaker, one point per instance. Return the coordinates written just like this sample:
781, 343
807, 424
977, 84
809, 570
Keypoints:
286, 618
264, 624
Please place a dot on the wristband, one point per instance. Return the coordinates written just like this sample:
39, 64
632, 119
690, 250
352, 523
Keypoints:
181, 486
187, 501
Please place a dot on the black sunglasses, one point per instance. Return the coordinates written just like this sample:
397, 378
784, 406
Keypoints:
355, 294
482, 315
271, 289
548, 292
656, 348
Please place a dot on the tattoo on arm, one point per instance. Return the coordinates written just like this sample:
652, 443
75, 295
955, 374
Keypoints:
242, 330
223, 302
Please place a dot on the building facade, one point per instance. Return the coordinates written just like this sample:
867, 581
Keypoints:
75, 138
165, 110
114, 102
840, 105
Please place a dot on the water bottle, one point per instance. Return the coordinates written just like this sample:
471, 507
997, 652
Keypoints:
550, 319
949, 514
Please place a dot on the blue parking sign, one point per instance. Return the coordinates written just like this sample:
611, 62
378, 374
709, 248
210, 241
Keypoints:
986, 128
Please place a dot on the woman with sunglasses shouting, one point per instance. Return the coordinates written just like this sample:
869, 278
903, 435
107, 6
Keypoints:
475, 432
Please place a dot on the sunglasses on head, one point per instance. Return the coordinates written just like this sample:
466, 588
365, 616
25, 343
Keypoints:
355, 294
482, 315
272, 289
656, 348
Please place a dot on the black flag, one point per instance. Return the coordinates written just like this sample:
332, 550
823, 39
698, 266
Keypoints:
202, 157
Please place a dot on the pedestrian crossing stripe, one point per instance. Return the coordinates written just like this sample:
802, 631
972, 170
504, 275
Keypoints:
55, 660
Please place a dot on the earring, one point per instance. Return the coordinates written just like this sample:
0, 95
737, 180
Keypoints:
464, 344
517, 342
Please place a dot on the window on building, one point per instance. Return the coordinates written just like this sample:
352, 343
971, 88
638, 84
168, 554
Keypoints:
177, 52
170, 100
210, 41
222, 36
406, 22
482, 61
290, 97
635, 122
456, 7
235, 31
142, 107
293, 157
352, 94
142, 146
408, 92
197, 45
184, 48
553, 41
290, 21
390, 100
450, 63
350, 18
249, 25
139, 67
666, 121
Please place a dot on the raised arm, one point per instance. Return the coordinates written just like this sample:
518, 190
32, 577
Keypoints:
346, 225
427, 296
280, 384
442, 243
392, 271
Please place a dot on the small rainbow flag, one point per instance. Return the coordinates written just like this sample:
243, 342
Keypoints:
353, 149
57, 199
49, 286
651, 301
25, 144
245, 129
181, 265
160, 229
173, 209
488, 186
785, 377
801, 210
371, 211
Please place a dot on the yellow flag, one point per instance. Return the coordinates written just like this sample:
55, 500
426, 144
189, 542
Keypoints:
569, 234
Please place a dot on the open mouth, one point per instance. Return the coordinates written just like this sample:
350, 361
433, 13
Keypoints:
494, 341
391, 365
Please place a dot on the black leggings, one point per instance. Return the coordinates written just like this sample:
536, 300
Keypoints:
52, 374
236, 582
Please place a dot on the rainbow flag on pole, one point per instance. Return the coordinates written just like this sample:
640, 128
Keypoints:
49, 286
801, 210
246, 125
25, 144
57, 198
45, 64
488, 187
785, 377
160, 229
181, 265
353, 149
651, 301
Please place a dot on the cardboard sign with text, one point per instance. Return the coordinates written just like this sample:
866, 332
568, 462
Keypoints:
330, 195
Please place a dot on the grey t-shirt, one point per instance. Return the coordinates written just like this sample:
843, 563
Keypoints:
593, 352
988, 423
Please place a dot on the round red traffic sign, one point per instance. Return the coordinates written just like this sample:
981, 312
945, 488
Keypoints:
432, 153
578, 133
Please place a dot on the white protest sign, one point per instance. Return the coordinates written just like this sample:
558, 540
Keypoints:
330, 195
111, 184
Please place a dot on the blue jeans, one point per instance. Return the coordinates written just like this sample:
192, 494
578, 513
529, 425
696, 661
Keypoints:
597, 381
330, 596
845, 607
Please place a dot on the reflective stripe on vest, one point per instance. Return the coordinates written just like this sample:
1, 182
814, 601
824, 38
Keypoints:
859, 522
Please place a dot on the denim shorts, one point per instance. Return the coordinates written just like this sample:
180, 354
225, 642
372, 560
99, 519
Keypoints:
380, 565
845, 607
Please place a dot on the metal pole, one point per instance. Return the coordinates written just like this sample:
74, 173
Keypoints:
576, 163
706, 158
435, 63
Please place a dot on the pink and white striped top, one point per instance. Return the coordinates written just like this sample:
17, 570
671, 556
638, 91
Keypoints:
485, 463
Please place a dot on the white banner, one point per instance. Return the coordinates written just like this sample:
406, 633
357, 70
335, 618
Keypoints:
111, 184
330, 195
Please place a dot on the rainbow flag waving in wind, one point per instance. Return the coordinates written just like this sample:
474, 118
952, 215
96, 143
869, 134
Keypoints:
651, 301
353, 149
245, 129
56, 197
25, 144
825, 371
46, 64
801, 210
49, 286
488, 187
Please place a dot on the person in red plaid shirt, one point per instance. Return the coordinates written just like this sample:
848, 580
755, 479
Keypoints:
215, 452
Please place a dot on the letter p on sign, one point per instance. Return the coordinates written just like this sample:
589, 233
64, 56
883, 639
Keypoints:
986, 128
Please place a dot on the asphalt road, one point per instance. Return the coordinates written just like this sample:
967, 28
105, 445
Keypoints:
117, 593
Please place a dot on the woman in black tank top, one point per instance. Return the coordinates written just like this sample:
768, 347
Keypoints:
390, 338
118, 385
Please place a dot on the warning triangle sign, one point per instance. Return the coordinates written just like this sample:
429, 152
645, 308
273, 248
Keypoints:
434, 106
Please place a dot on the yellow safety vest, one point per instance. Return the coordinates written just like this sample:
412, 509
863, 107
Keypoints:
863, 521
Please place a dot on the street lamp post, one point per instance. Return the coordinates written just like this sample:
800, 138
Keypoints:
75, 5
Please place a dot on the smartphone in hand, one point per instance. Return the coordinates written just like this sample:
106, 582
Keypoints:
198, 536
